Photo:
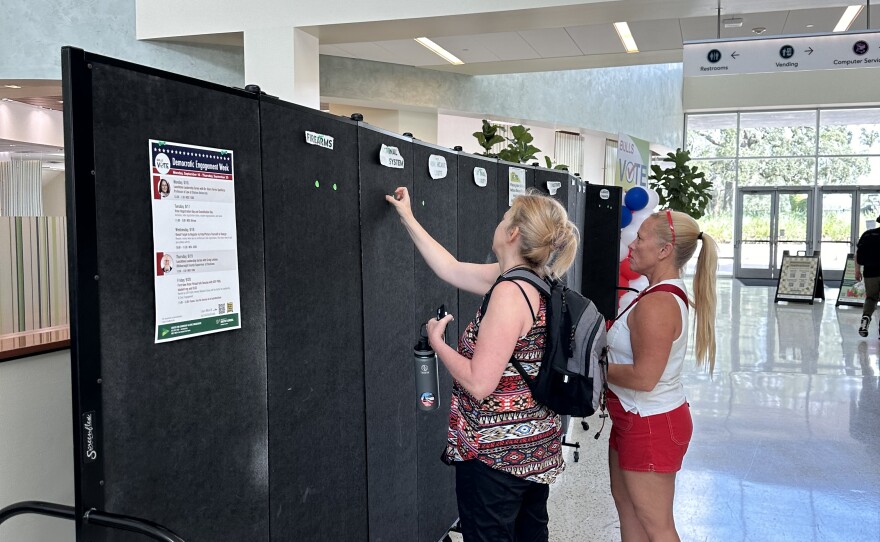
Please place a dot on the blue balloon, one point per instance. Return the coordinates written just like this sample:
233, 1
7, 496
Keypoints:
636, 198
626, 217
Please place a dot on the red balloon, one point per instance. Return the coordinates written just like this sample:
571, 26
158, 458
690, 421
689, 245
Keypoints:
626, 272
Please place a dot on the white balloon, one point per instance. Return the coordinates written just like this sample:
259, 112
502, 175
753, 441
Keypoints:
628, 235
640, 283
624, 252
626, 299
653, 199
639, 217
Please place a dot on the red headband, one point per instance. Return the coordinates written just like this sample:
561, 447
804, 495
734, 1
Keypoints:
671, 227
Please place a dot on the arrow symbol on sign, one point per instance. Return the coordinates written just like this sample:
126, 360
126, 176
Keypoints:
733, 55
809, 51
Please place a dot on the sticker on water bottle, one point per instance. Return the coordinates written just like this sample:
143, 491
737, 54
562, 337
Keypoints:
428, 399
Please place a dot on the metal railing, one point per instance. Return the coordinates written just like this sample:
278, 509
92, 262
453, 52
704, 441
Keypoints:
91, 517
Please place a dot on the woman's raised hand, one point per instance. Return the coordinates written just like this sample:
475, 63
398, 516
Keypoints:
400, 201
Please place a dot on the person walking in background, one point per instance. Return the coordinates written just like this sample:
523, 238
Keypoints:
868, 255
506, 447
651, 421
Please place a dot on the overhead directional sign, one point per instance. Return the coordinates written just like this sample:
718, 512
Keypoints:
786, 54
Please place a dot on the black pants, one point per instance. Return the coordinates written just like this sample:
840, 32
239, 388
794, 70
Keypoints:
495, 506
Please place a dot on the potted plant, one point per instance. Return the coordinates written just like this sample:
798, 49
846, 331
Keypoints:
681, 187
488, 137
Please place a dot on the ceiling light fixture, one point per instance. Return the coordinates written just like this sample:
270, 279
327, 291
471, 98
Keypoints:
11, 86
734, 22
440, 51
626, 37
846, 20
759, 30
810, 25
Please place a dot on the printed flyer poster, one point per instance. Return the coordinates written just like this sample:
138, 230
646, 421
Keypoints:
195, 262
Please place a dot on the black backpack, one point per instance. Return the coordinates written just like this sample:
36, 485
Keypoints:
571, 379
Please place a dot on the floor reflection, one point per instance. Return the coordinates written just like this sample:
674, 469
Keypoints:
787, 433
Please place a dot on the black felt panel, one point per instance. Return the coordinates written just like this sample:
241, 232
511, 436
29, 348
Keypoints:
578, 219
185, 425
544, 176
435, 202
503, 195
389, 381
317, 426
601, 246
477, 218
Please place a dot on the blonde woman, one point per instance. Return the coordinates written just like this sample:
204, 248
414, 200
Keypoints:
505, 446
651, 421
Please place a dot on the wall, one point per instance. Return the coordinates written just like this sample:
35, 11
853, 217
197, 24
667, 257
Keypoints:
107, 28
37, 443
644, 101
53, 193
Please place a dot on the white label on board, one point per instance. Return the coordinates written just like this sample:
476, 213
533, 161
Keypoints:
481, 178
437, 166
320, 140
604, 193
390, 157
516, 182
553, 187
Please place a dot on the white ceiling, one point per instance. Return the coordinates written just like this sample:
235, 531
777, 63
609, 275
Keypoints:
582, 46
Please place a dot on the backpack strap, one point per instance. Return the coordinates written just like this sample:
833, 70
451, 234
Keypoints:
671, 288
515, 274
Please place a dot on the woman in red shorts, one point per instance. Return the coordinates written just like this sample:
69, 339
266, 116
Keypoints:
647, 345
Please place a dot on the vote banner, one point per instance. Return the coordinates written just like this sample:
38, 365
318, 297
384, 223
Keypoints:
633, 162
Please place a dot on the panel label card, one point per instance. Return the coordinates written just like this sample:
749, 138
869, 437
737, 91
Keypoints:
195, 241
516, 184
553, 187
390, 157
320, 140
481, 178
437, 166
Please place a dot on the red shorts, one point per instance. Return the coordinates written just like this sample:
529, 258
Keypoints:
649, 443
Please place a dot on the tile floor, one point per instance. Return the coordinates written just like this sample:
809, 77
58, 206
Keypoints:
786, 442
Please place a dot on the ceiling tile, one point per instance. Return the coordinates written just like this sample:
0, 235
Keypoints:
467, 48
662, 35
368, 51
508, 46
823, 20
410, 52
706, 28
596, 39
551, 42
334, 50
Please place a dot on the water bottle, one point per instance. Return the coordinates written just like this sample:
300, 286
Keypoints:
427, 383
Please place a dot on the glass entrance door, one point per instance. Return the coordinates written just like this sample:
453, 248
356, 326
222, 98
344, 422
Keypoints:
770, 221
845, 214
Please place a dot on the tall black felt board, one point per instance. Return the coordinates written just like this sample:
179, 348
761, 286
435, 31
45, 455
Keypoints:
314, 313
184, 424
476, 222
601, 246
389, 305
579, 219
434, 205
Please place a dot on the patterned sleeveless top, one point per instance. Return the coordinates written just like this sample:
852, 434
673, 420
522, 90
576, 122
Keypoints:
508, 430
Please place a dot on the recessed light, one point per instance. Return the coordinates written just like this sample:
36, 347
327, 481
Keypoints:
846, 20
759, 30
810, 25
11, 86
734, 22
439, 51
626, 37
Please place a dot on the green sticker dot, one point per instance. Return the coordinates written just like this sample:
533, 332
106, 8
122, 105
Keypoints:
334, 186
317, 184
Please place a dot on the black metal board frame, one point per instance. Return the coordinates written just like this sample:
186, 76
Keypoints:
812, 286
434, 205
477, 220
189, 395
389, 381
847, 280
314, 313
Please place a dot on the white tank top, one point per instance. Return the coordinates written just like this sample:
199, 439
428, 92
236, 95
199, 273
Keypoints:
668, 394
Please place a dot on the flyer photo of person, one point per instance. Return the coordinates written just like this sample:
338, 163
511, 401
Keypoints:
162, 188
165, 263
